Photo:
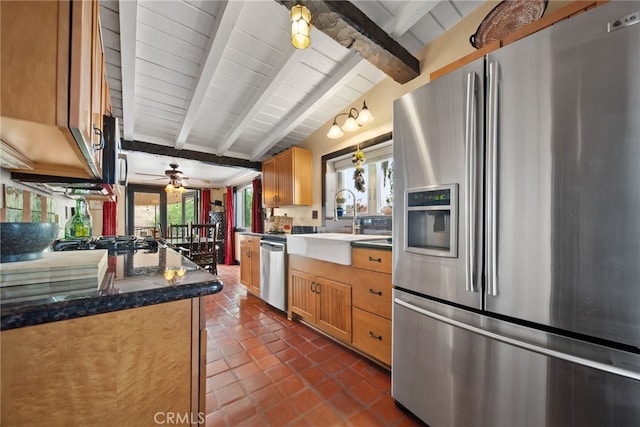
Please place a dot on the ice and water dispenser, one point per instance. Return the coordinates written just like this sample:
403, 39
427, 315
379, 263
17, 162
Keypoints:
432, 220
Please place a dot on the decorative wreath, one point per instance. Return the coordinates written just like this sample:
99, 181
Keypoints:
358, 176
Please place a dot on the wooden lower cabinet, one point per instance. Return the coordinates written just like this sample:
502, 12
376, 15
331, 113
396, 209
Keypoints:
372, 302
250, 263
350, 303
324, 303
372, 335
127, 368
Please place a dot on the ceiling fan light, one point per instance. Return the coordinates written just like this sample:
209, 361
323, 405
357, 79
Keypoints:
350, 125
169, 188
365, 115
300, 26
335, 131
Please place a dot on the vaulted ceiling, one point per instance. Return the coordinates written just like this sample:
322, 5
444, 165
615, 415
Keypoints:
221, 78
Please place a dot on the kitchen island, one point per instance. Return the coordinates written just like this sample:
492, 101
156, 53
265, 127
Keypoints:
129, 352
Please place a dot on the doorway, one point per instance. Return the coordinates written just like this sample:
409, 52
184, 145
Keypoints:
150, 209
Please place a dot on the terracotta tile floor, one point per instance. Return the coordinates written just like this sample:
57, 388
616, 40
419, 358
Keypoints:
264, 370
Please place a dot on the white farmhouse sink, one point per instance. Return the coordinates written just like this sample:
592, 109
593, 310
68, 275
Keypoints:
331, 247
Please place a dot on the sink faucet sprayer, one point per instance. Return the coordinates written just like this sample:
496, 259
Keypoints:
355, 225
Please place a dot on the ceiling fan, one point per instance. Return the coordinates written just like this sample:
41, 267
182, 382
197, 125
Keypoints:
177, 179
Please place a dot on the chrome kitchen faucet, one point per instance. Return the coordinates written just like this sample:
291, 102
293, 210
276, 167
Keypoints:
355, 226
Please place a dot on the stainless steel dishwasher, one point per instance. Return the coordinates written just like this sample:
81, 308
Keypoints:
273, 273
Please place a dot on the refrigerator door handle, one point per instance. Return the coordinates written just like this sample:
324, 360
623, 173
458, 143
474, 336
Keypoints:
492, 180
470, 160
613, 369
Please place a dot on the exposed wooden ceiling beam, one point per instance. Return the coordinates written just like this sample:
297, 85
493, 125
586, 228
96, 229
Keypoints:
329, 88
164, 150
281, 72
347, 25
217, 42
128, 20
408, 16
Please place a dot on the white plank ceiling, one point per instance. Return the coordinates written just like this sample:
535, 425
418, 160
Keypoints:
221, 77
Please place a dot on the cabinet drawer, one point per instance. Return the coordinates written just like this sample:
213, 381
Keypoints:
372, 291
372, 335
371, 259
249, 240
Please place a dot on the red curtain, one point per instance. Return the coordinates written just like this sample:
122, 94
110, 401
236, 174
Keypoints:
230, 245
257, 224
205, 206
110, 218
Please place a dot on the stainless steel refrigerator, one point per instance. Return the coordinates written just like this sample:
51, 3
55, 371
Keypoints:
516, 254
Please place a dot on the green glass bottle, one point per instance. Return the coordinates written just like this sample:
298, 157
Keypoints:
81, 227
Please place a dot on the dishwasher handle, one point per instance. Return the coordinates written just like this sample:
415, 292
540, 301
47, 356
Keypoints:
272, 247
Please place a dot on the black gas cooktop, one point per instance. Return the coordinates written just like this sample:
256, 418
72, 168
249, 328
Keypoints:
112, 243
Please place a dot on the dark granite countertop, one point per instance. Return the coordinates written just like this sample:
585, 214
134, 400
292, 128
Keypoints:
250, 233
133, 279
382, 244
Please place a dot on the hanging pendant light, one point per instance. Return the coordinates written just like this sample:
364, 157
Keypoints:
300, 26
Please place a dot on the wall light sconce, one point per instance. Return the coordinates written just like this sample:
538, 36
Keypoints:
354, 120
300, 26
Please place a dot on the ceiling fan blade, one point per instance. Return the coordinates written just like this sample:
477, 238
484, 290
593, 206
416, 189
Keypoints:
195, 180
151, 174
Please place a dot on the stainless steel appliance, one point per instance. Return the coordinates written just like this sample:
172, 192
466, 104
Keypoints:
516, 232
273, 271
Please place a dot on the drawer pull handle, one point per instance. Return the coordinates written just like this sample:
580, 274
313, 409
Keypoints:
312, 285
371, 291
374, 336
375, 259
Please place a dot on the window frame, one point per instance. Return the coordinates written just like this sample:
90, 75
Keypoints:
328, 204
240, 208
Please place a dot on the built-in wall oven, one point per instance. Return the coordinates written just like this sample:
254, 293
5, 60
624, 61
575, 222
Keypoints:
273, 271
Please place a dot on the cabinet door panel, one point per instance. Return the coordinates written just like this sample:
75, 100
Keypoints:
255, 268
80, 117
245, 265
285, 178
269, 183
97, 77
333, 312
303, 297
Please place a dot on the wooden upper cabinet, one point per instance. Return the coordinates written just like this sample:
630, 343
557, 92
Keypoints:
269, 182
97, 83
52, 84
286, 179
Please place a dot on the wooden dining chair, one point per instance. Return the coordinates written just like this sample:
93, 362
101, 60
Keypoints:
178, 233
180, 238
203, 248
